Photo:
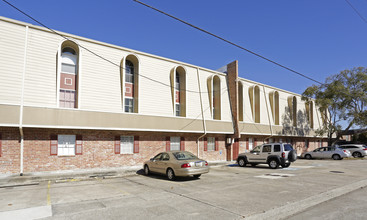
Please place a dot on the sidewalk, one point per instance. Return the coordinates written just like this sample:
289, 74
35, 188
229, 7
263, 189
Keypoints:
13, 180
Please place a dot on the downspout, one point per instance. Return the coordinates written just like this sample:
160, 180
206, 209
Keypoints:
202, 114
22, 104
267, 110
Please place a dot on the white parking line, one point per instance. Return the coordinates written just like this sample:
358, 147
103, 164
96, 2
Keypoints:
275, 175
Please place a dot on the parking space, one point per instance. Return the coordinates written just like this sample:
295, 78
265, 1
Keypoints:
226, 192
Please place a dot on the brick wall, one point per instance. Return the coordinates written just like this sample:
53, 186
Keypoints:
98, 150
10, 151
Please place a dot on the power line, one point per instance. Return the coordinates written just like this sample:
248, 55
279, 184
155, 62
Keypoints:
101, 57
356, 11
229, 42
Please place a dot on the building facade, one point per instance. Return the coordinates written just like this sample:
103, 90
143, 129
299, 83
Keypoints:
68, 103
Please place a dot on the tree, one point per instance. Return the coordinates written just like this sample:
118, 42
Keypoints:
343, 97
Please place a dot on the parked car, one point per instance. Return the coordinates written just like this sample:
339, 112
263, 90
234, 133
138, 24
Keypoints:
273, 154
333, 152
357, 150
176, 163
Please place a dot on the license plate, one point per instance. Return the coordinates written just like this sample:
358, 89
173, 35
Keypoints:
199, 164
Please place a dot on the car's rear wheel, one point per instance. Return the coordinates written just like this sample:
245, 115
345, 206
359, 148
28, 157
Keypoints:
273, 164
357, 154
286, 165
146, 170
170, 174
336, 157
241, 162
197, 176
308, 157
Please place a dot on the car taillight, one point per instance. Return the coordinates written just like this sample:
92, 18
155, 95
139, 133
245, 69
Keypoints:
365, 149
206, 163
345, 151
185, 165
283, 155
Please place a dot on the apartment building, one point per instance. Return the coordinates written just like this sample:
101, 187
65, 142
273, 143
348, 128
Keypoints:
69, 103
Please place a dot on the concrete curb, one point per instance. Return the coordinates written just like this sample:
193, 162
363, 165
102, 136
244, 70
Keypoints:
299, 206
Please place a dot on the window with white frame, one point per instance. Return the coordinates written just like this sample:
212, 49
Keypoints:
175, 143
66, 145
178, 110
127, 144
250, 143
129, 105
211, 144
68, 76
129, 69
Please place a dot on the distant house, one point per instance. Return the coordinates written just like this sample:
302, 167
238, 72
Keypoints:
64, 108
353, 136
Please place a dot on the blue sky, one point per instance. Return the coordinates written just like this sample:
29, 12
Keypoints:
316, 38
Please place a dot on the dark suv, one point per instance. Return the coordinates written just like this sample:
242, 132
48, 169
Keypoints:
273, 154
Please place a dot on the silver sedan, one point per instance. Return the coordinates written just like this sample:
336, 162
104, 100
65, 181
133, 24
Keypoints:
327, 152
176, 163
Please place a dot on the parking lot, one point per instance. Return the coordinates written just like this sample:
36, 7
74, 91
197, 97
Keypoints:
226, 192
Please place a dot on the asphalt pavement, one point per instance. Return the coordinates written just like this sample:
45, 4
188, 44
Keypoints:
305, 190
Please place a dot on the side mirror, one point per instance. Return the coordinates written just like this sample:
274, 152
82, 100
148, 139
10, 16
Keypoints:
151, 159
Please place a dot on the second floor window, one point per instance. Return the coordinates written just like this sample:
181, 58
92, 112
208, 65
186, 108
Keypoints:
129, 105
129, 69
68, 93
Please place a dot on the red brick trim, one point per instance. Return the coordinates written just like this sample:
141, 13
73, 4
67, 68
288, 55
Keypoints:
182, 143
117, 144
205, 144
1, 140
216, 144
53, 145
247, 143
136, 144
79, 145
168, 143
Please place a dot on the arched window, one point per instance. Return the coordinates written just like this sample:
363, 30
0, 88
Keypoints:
294, 111
178, 85
240, 101
216, 98
68, 75
254, 95
130, 93
274, 105
292, 106
309, 112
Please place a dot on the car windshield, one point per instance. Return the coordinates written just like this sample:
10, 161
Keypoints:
288, 147
184, 156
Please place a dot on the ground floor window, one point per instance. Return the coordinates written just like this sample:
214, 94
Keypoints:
250, 143
175, 143
127, 144
211, 144
66, 145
